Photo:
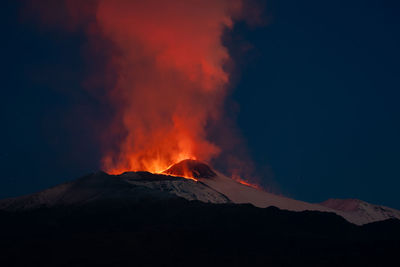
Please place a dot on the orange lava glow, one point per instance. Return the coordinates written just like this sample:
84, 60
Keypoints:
170, 79
186, 173
247, 183
164, 68
186, 177
190, 178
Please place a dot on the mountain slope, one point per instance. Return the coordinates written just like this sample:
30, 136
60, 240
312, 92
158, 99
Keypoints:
240, 193
361, 212
102, 186
205, 185
237, 192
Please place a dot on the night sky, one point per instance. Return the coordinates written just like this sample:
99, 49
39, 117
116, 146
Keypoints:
316, 91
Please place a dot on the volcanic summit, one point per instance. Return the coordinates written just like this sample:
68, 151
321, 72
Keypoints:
191, 168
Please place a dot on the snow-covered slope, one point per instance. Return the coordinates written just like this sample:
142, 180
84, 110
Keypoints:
240, 193
181, 187
237, 192
207, 186
360, 212
100, 186
354, 211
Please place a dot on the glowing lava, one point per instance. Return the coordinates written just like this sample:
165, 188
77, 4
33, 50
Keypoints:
194, 169
163, 73
247, 183
170, 79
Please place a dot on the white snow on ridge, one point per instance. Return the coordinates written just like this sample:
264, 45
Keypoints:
187, 189
353, 210
356, 211
215, 189
361, 212
240, 193
103, 186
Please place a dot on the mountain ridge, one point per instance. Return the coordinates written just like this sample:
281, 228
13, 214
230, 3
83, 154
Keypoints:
209, 186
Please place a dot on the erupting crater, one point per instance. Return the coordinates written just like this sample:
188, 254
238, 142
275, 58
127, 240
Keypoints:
190, 168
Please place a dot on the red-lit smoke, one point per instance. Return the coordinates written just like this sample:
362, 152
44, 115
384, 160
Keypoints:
169, 80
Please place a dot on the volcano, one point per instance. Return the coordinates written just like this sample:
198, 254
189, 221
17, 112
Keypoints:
190, 214
191, 180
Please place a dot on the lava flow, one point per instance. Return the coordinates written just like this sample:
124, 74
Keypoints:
194, 170
248, 184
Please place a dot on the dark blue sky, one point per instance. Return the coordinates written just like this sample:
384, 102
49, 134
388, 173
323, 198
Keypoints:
318, 94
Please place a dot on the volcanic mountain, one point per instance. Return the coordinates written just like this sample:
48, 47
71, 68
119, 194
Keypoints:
191, 180
189, 215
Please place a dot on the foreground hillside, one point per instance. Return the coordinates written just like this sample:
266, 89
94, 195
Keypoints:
145, 219
177, 232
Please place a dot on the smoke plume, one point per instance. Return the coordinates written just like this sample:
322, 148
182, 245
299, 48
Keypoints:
169, 78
